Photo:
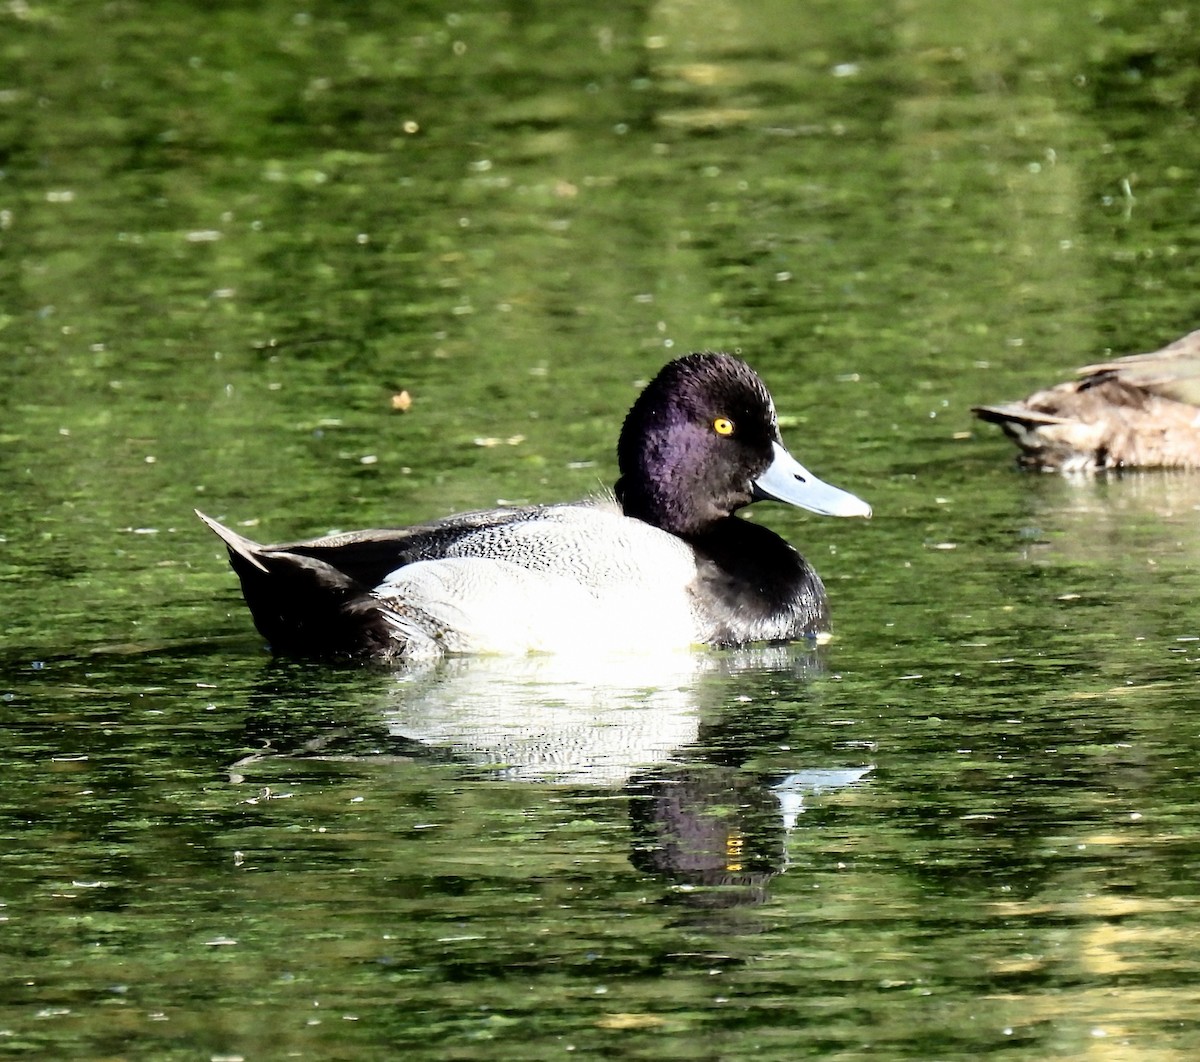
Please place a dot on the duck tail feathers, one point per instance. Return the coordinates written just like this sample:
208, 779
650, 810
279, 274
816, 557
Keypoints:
302, 604
237, 544
1015, 413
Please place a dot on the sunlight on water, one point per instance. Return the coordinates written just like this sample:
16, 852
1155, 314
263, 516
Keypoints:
231, 239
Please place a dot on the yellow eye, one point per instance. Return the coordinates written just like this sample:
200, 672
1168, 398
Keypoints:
723, 426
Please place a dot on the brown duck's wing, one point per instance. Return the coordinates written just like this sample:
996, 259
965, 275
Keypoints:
1017, 412
1095, 399
1101, 421
1173, 371
1138, 411
1047, 430
1090, 423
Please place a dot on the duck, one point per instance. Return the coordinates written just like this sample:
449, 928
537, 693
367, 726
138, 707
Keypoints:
1136, 411
661, 562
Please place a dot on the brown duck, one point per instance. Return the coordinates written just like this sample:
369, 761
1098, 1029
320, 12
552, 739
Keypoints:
1139, 411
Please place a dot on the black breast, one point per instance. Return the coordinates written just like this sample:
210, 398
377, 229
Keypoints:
752, 586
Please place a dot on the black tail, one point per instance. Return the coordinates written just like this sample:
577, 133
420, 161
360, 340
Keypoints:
303, 605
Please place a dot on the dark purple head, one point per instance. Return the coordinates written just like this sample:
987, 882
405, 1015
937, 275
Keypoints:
701, 441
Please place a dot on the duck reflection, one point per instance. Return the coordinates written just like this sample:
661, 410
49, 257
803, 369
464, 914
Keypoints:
559, 719
1163, 494
721, 832
643, 725
1124, 518
672, 733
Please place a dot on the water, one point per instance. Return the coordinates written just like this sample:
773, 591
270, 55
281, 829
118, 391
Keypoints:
228, 237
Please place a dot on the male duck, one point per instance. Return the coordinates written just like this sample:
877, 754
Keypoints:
663, 564
1142, 410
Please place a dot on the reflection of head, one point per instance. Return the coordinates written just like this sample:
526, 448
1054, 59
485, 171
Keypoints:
709, 827
721, 830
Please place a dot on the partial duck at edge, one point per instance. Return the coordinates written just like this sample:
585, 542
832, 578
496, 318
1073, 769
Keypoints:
663, 563
1138, 411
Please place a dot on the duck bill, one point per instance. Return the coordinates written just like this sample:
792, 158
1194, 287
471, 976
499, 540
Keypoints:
787, 480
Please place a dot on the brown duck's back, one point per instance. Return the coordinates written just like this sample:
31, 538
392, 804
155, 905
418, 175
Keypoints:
1142, 410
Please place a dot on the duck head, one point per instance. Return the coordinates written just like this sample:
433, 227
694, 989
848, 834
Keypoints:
702, 441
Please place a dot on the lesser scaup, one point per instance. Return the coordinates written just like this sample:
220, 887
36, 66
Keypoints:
663, 563
1139, 411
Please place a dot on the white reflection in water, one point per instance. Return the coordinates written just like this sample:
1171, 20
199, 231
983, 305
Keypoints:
791, 791
568, 719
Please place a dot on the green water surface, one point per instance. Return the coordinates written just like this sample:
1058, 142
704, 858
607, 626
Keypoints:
231, 233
